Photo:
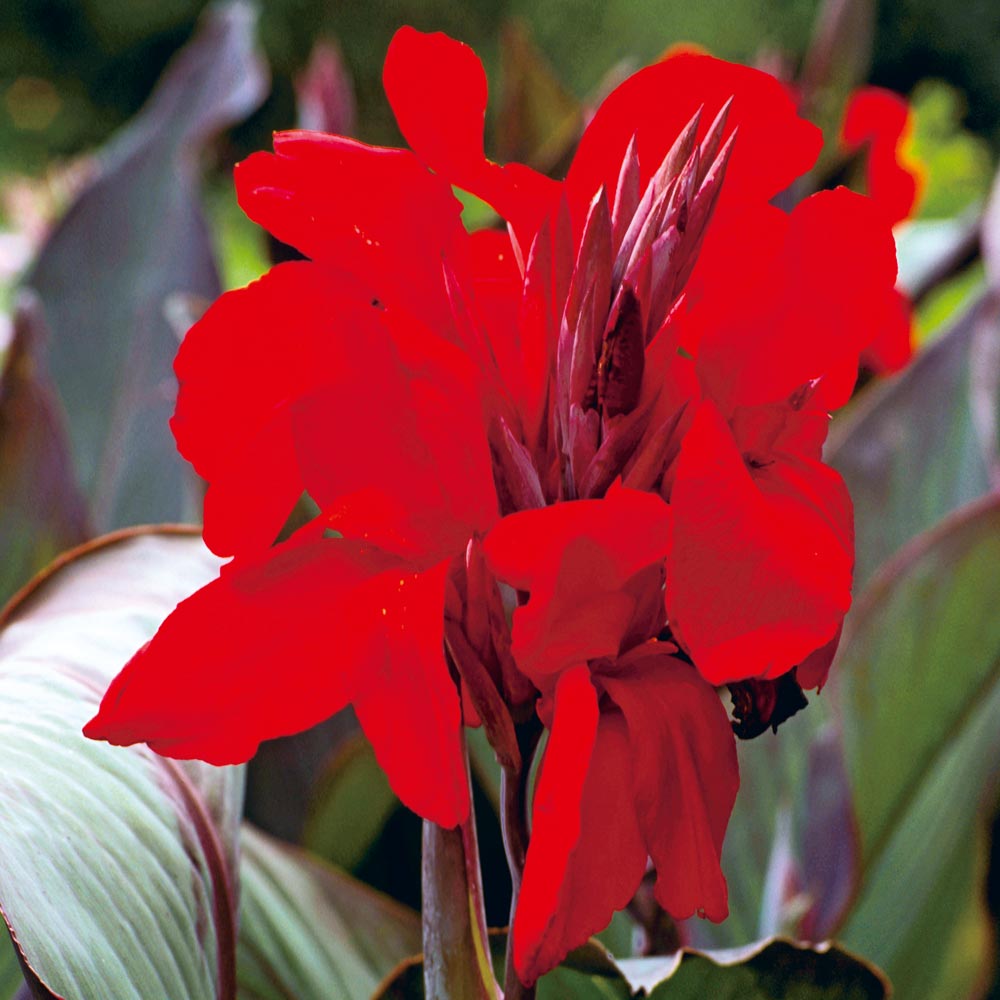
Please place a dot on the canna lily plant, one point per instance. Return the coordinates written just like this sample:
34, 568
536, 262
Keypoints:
567, 471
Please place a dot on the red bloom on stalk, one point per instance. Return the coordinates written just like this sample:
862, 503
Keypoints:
883, 122
880, 122
459, 407
638, 738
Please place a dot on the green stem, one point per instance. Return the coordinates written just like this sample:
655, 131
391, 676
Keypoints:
514, 825
456, 945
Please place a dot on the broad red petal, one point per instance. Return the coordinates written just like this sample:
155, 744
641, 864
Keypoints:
281, 642
786, 300
773, 148
438, 91
372, 414
526, 549
252, 490
409, 707
759, 573
254, 350
377, 213
495, 281
586, 856
575, 559
400, 462
684, 774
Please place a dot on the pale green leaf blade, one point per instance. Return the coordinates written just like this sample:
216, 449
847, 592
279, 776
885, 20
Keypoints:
310, 931
919, 680
114, 873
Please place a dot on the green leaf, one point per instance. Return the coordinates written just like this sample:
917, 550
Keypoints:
790, 852
10, 972
309, 931
771, 970
957, 163
918, 447
115, 864
133, 238
919, 681
282, 775
947, 300
41, 509
350, 806
619, 936
588, 973
539, 120
770, 766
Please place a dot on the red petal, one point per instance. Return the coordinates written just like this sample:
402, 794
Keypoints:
684, 774
883, 119
526, 549
496, 284
409, 708
281, 642
401, 463
774, 145
759, 574
892, 348
232, 420
377, 213
586, 856
399, 452
815, 668
253, 490
437, 89
780, 303
575, 559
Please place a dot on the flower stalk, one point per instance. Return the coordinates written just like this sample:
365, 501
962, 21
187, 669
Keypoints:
453, 916
514, 827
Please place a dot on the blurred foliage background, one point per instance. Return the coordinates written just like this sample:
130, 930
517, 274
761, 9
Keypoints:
71, 71
72, 74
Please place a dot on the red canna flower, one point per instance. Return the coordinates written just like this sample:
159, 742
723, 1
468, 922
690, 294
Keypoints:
368, 412
459, 407
641, 755
881, 122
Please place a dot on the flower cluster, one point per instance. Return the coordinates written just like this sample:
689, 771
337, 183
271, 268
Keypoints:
881, 122
571, 467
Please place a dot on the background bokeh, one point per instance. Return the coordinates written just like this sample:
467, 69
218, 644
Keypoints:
71, 72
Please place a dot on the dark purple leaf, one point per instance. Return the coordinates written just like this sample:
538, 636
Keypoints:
923, 444
829, 839
990, 237
134, 237
41, 509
